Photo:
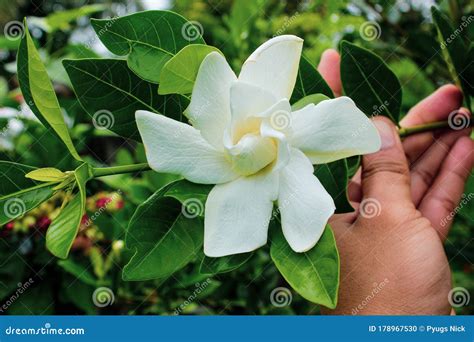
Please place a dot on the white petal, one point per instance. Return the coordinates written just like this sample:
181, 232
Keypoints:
238, 213
246, 101
274, 65
304, 204
332, 130
175, 147
209, 110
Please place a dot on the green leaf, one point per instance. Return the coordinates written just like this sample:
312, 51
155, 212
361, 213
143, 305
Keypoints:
334, 177
165, 233
47, 174
64, 228
39, 92
13, 179
368, 81
179, 73
309, 81
111, 94
15, 205
313, 274
454, 52
149, 39
313, 98
223, 264
79, 271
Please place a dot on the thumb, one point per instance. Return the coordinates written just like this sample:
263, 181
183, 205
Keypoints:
385, 174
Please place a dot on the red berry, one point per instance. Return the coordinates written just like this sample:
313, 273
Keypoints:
102, 202
43, 223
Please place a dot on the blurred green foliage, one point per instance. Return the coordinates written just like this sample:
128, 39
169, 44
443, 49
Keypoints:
404, 37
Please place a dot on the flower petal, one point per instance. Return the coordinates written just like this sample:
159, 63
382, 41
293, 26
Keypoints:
246, 101
332, 130
178, 148
238, 213
209, 110
304, 204
274, 65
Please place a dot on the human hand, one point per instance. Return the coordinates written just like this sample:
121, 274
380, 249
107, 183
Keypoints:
391, 247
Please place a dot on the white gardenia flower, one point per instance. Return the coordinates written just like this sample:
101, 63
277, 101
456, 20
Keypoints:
245, 139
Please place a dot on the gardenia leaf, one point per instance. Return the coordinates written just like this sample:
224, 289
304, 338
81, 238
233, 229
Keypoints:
150, 39
48, 174
179, 73
117, 94
165, 232
223, 264
368, 81
64, 228
39, 93
17, 204
13, 177
313, 274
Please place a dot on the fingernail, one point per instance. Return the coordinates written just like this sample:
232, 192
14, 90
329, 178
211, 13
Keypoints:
387, 135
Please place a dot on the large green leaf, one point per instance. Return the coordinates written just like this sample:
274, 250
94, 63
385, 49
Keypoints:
334, 177
369, 82
165, 233
15, 205
13, 179
111, 94
313, 274
454, 52
179, 73
39, 92
64, 228
309, 81
149, 39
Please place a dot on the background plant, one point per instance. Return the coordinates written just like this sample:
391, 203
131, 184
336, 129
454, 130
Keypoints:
404, 37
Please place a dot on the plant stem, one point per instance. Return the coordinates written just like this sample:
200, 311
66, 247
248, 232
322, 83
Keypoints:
403, 132
117, 170
407, 131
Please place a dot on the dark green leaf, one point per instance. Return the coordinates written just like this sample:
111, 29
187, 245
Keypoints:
368, 81
223, 264
13, 179
149, 39
313, 274
309, 81
39, 92
166, 232
334, 177
179, 73
17, 204
111, 94
64, 228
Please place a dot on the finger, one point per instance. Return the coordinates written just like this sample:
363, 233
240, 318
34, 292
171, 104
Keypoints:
435, 107
385, 174
329, 68
440, 201
354, 188
425, 168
